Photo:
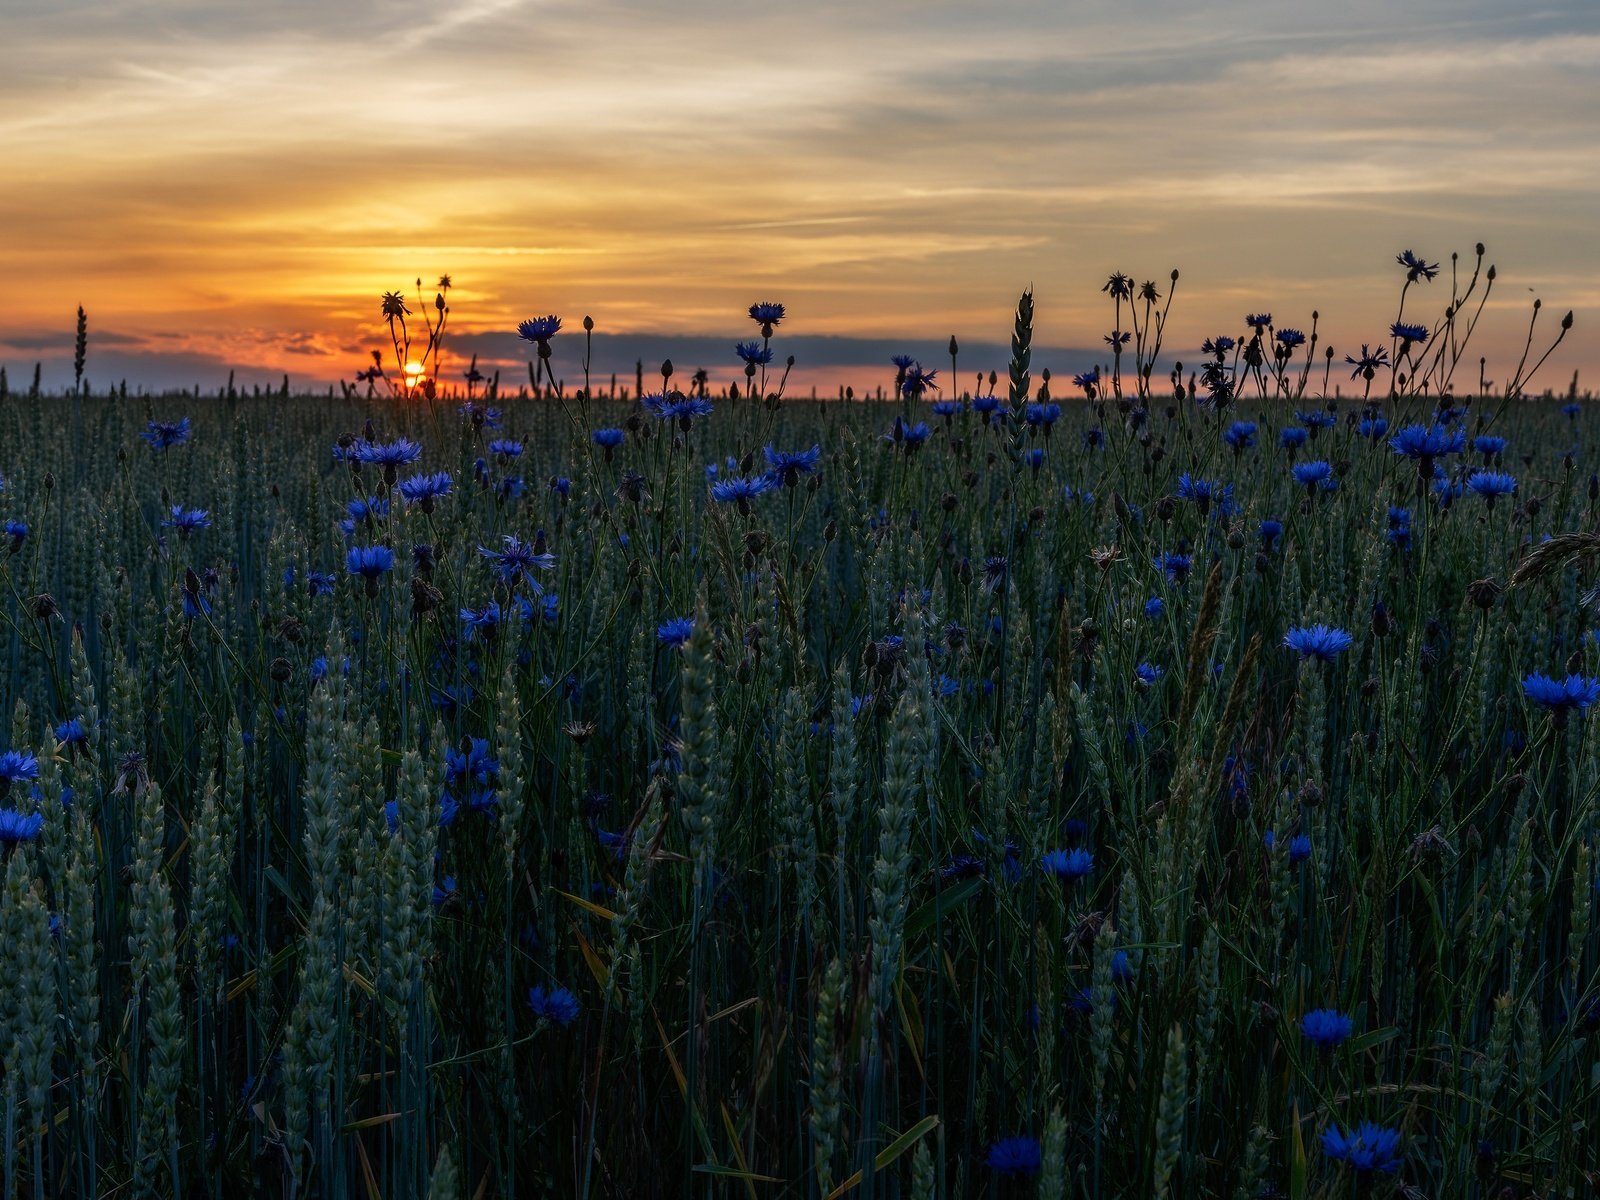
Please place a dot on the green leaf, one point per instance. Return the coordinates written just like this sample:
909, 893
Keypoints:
946, 902
891, 1152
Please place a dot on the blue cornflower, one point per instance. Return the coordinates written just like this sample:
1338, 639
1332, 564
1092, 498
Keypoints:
1116, 339
1271, 529
1318, 641
1409, 334
476, 413
1241, 435
516, 561
1044, 415
1562, 697
506, 448
1369, 363
1490, 484
1147, 673
187, 520
388, 455
1290, 338
473, 772
1372, 428
766, 315
1426, 443
1293, 437
945, 408
482, 622
1367, 1148
995, 569
163, 435
1258, 320
962, 866
1488, 445
1325, 1027
675, 631
1218, 345
72, 733
1176, 567
1572, 409
1203, 492
473, 763
1154, 607
1316, 419
916, 435
1069, 866
363, 512
18, 765
1119, 286
539, 329
786, 466
1089, 381
1310, 474
1446, 489
369, 562
319, 669
319, 583
741, 491
424, 490
17, 531
449, 807
677, 407
1016, 1156
556, 1005
1415, 267
608, 439
917, 381
754, 353
987, 407
17, 827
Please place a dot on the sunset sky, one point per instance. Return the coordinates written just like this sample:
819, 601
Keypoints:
233, 185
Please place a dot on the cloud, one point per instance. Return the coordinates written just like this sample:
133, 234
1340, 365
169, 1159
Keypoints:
226, 174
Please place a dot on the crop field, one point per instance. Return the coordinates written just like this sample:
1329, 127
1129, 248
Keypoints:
1181, 787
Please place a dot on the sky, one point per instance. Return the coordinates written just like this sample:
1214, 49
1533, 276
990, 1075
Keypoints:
234, 186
